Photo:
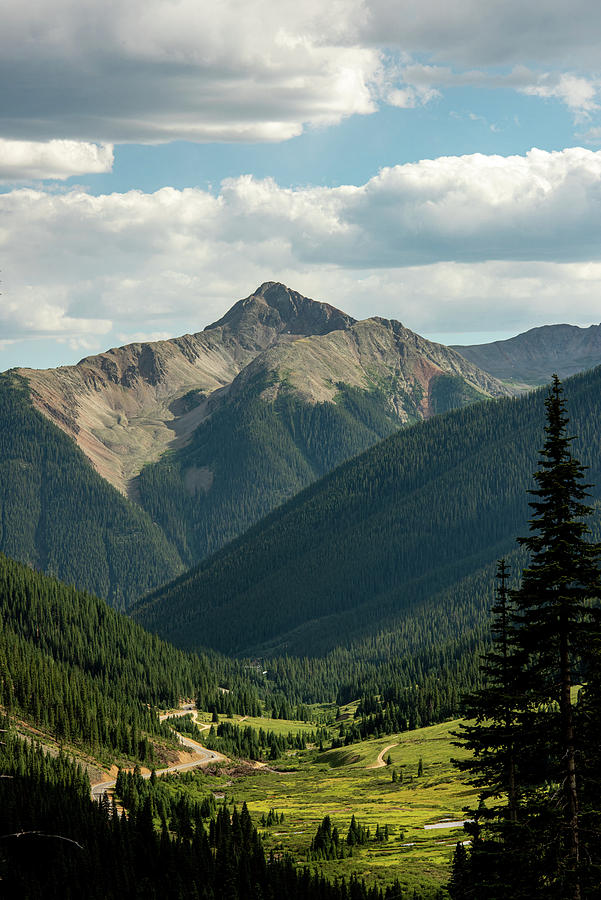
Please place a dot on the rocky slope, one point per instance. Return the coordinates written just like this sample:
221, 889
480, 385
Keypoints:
532, 357
126, 407
373, 354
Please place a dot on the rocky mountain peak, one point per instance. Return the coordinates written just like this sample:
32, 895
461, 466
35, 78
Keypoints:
277, 307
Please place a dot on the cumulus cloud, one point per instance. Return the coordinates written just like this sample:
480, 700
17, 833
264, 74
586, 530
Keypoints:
576, 92
450, 243
157, 70
57, 159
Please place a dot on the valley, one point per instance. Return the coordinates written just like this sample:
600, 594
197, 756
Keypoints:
293, 520
306, 786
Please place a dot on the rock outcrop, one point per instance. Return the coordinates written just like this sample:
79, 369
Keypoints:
126, 407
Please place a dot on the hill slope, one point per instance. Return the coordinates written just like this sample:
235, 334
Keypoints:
60, 516
421, 514
293, 414
532, 358
208, 433
84, 672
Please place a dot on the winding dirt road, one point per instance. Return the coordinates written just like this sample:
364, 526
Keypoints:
379, 763
205, 757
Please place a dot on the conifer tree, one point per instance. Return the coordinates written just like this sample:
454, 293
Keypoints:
528, 735
554, 624
493, 735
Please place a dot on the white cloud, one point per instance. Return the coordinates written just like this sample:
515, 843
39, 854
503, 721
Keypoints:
33, 311
410, 96
161, 70
576, 92
421, 83
56, 159
591, 136
157, 70
449, 243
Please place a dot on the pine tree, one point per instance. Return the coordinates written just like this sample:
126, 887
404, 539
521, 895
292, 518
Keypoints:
528, 735
555, 623
461, 880
493, 734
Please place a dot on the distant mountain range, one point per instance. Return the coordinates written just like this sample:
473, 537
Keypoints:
532, 358
400, 541
198, 437
120, 472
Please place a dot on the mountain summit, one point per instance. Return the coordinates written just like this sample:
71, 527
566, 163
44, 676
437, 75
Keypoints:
276, 309
204, 434
127, 406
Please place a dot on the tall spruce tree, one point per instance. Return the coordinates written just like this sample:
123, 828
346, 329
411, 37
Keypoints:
493, 733
528, 734
555, 625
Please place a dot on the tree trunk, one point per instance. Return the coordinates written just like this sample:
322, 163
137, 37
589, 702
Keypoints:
567, 725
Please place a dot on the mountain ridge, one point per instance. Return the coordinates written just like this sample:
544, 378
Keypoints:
533, 356
127, 406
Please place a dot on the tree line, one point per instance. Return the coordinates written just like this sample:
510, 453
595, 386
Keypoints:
535, 730
58, 844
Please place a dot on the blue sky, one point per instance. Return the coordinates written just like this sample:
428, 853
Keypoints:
161, 159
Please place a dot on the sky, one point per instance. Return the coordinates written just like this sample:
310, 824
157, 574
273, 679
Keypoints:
435, 163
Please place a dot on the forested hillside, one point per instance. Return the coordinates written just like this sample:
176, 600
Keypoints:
85, 672
376, 542
250, 457
208, 433
60, 516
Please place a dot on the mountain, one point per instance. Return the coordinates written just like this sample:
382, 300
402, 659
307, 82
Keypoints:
125, 407
532, 358
382, 540
291, 415
60, 516
198, 437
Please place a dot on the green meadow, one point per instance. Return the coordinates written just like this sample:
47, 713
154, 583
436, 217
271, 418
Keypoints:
306, 786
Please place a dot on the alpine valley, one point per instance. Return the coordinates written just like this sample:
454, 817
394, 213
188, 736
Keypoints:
246, 579
176, 447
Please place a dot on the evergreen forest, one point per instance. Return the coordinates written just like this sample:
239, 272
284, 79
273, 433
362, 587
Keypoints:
60, 516
414, 524
89, 675
259, 454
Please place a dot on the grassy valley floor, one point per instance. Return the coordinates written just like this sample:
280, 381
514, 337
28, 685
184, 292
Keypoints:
306, 786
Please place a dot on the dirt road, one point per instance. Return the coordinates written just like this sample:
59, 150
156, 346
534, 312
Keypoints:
379, 763
205, 758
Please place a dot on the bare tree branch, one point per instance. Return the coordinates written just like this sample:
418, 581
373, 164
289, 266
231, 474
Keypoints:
60, 837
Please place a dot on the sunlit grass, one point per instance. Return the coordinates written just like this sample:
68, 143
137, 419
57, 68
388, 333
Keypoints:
339, 783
